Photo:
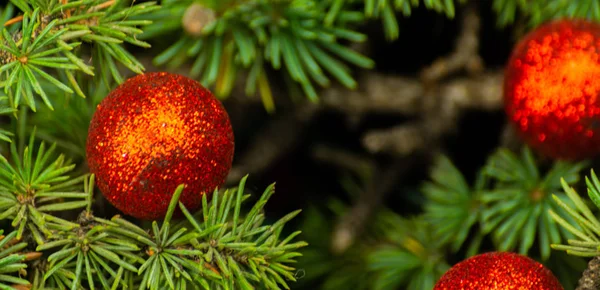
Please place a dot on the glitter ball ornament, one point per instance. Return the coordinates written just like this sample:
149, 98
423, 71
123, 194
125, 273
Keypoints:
551, 89
498, 271
153, 133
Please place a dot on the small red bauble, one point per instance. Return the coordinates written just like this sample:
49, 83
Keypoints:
153, 133
551, 89
498, 271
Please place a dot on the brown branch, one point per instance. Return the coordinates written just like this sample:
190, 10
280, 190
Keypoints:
352, 224
466, 50
590, 280
481, 92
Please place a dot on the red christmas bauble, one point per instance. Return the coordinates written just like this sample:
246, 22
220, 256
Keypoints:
551, 88
498, 271
151, 134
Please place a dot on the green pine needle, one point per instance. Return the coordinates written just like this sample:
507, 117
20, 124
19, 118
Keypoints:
386, 11
34, 186
391, 251
224, 246
41, 45
249, 37
11, 261
519, 202
583, 224
409, 257
452, 204
538, 12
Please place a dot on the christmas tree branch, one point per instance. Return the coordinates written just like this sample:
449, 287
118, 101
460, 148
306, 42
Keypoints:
253, 34
537, 12
583, 224
34, 187
386, 11
50, 36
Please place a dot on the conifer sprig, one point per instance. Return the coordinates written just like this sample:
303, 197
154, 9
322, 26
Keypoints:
537, 12
449, 195
11, 261
34, 186
509, 202
519, 198
583, 224
386, 11
252, 34
49, 42
393, 252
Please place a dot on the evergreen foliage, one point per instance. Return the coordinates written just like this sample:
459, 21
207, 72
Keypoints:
69, 54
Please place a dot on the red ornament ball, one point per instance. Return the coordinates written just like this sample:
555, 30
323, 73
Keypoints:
498, 271
552, 86
151, 134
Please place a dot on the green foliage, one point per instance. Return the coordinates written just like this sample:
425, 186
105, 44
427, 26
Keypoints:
76, 112
518, 201
5, 109
50, 37
11, 262
509, 202
454, 205
337, 271
584, 225
393, 252
539, 11
409, 256
249, 35
386, 11
220, 247
34, 187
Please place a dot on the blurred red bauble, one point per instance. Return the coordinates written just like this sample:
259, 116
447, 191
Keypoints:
153, 133
551, 89
498, 271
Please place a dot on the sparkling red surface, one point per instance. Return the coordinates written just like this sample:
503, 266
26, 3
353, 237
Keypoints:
153, 133
551, 89
498, 271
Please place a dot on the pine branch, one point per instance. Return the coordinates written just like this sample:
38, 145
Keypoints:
249, 35
50, 38
394, 252
386, 11
11, 261
583, 224
510, 201
452, 202
518, 203
34, 187
537, 12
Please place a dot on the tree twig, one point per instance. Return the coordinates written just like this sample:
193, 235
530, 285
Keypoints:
13, 20
590, 280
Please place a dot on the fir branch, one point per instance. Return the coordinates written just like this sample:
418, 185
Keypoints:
34, 187
225, 250
250, 35
5, 109
537, 12
409, 257
510, 201
50, 37
394, 252
386, 11
453, 203
519, 199
584, 226
11, 261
